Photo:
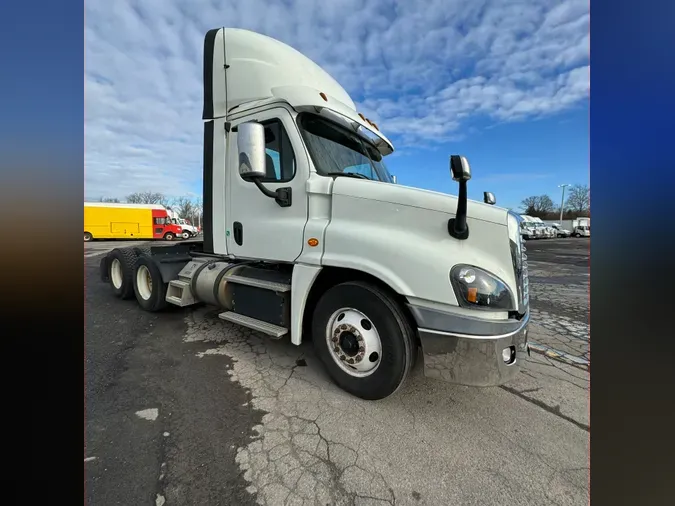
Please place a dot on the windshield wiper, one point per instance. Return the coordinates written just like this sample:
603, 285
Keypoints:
348, 174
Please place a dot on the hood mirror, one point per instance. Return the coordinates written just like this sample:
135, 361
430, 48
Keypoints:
489, 198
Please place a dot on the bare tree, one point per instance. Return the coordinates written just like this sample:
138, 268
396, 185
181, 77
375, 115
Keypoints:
537, 205
147, 198
198, 210
579, 199
184, 207
109, 200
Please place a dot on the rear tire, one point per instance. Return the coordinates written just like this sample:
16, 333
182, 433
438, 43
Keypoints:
169, 236
149, 288
374, 324
121, 271
88, 237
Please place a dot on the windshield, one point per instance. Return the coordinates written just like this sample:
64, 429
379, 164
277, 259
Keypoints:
335, 150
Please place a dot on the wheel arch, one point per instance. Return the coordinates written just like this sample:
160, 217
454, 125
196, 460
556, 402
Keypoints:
329, 276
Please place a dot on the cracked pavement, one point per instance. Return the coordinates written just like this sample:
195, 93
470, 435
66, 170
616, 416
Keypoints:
559, 271
243, 419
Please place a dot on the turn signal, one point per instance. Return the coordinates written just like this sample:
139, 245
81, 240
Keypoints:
313, 242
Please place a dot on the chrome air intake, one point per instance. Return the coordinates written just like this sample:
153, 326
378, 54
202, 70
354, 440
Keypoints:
519, 260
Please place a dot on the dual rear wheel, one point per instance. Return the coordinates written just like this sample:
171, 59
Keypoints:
132, 273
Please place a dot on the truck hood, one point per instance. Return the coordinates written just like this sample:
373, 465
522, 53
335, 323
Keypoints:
415, 197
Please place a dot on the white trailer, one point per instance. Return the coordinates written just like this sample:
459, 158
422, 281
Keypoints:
305, 235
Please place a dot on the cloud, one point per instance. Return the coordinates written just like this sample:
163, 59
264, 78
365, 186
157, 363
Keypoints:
423, 71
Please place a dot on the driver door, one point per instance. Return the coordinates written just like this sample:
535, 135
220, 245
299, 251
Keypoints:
258, 228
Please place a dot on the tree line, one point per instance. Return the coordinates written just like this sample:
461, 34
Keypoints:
186, 207
577, 204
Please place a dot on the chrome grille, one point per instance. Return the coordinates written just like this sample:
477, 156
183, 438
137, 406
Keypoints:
519, 259
524, 278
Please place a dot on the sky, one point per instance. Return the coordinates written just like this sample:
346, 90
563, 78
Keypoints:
504, 83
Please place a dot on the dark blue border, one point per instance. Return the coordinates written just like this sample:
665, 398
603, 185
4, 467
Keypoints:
632, 158
41, 191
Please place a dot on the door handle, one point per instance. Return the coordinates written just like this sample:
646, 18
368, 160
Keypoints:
238, 233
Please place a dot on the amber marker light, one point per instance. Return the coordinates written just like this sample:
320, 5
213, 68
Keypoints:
313, 242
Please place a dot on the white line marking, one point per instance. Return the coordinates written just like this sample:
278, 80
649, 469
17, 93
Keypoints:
89, 459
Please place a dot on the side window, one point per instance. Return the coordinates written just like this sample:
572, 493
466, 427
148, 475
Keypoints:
159, 221
280, 158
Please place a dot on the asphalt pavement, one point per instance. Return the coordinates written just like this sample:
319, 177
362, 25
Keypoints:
183, 408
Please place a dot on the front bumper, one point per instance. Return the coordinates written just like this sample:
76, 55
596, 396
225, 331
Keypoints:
469, 351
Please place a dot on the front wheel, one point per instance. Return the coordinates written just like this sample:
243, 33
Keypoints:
363, 339
169, 236
186, 235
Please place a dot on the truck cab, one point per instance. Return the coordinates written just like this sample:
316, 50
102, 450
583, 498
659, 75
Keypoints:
581, 227
307, 236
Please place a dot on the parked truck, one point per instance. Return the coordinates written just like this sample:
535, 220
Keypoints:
188, 230
103, 220
581, 227
306, 236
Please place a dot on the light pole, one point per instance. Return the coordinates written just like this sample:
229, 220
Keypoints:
562, 201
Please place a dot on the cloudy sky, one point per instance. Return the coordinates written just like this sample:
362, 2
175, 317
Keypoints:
504, 82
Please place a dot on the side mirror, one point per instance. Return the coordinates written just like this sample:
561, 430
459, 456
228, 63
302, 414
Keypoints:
460, 168
253, 161
251, 147
489, 198
461, 172
393, 179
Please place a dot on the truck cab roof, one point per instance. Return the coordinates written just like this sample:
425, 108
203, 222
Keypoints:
244, 69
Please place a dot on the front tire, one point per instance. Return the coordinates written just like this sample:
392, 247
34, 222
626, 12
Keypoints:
169, 236
149, 287
186, 235
363, 339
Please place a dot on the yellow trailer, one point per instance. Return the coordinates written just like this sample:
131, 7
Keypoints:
127, 221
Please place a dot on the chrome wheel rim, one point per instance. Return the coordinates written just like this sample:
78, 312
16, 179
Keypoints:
354, 342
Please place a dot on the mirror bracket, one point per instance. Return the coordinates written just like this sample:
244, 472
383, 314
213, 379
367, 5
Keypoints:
460, 171
282, 196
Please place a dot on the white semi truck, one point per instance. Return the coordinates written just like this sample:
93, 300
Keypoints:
306, 236
189, 230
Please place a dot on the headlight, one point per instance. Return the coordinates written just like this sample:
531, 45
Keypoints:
476, 288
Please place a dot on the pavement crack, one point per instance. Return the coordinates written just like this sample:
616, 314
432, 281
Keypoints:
553, 410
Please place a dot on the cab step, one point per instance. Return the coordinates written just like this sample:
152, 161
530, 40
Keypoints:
270, 329
259, 283
179, 293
